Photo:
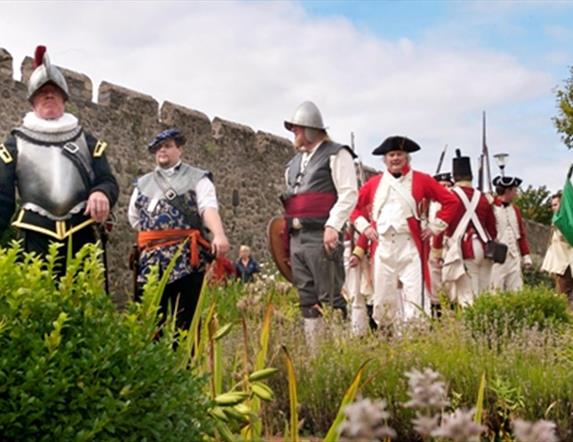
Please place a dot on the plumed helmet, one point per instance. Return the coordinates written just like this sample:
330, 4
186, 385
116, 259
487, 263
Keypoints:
44, 73
306, 115
167, 134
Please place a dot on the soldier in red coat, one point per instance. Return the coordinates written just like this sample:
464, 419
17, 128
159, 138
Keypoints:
466, 269
388, 211
510, 231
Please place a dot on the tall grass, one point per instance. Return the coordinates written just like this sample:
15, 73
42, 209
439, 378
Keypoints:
528, 369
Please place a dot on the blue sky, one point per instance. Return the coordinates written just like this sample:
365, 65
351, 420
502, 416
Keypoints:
423, 69
539, 35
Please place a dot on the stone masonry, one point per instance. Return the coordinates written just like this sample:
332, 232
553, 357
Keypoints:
241, 159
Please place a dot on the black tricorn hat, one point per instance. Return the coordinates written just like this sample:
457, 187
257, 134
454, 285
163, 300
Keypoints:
444, 176
461, 166
396, 142
507, 181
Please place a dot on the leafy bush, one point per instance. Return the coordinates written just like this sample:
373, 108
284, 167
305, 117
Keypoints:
503, 313
73, 368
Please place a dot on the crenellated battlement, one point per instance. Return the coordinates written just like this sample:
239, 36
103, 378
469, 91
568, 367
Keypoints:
241, 159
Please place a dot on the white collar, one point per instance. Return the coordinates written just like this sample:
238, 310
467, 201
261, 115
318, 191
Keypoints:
65, 123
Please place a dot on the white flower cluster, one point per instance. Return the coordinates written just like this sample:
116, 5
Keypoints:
366, 421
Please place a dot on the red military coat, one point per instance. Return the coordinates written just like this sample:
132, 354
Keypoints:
424, 189
486, 216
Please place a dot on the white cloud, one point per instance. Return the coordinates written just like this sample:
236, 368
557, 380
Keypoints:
254, 62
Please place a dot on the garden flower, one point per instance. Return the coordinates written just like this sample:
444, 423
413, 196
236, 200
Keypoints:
460, 427
539, 431
426, 390
365, 420
425, 425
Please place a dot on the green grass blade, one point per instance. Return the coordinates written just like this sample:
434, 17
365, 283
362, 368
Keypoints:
293, 399
349, 396
480, 399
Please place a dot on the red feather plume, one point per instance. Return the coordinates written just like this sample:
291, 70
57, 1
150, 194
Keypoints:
39, 56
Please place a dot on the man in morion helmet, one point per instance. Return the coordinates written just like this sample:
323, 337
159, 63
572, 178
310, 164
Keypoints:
61, 172
321, 191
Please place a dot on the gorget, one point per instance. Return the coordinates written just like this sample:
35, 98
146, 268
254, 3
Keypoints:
157, 184
53, 171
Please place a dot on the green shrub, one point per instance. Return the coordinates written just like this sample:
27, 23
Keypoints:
73, 368
503, 313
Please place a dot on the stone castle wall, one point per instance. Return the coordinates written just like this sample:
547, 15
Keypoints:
242, 160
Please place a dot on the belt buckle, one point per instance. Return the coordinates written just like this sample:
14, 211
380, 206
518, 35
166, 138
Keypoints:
170, 194
296, 224
72, 148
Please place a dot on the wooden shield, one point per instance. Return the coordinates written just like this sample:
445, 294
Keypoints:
277, 246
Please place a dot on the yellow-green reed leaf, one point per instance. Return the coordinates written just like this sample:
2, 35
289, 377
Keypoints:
217, 368
223, 331
242, 408
260, 375
233, 414
293, 399
231, 398
349, 396
193, 337
480, 399
218, 413
263, 391
264, 338
224, 432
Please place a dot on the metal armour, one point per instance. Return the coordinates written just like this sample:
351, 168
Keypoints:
306, 115
46, 73
48, 181
185, 179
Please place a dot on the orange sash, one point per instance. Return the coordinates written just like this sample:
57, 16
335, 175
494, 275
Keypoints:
152, 239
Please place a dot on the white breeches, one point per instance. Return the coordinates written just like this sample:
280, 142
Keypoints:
358, 290
397, 279
507, 276
476, 280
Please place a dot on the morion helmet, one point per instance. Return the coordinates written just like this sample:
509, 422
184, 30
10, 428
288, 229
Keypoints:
306, 115
44, 73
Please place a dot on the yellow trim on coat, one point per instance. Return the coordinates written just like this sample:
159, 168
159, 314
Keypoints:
99, 149
61, 231
5, 154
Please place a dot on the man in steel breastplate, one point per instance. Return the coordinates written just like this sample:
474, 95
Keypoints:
321, 192
61, 172
171, 206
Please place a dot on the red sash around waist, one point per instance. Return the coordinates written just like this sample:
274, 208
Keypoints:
310, 205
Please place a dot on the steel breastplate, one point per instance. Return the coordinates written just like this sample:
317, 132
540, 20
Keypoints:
49, 181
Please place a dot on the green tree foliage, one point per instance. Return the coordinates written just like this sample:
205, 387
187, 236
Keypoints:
74, 368
564, 119
535, 204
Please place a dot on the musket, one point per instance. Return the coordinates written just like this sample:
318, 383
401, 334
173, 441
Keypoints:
480, 173
357, 161
485, 155
441, 160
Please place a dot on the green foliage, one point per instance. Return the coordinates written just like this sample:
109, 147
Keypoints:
564, 120
73, 368
528, 376
535, 204
504, 313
